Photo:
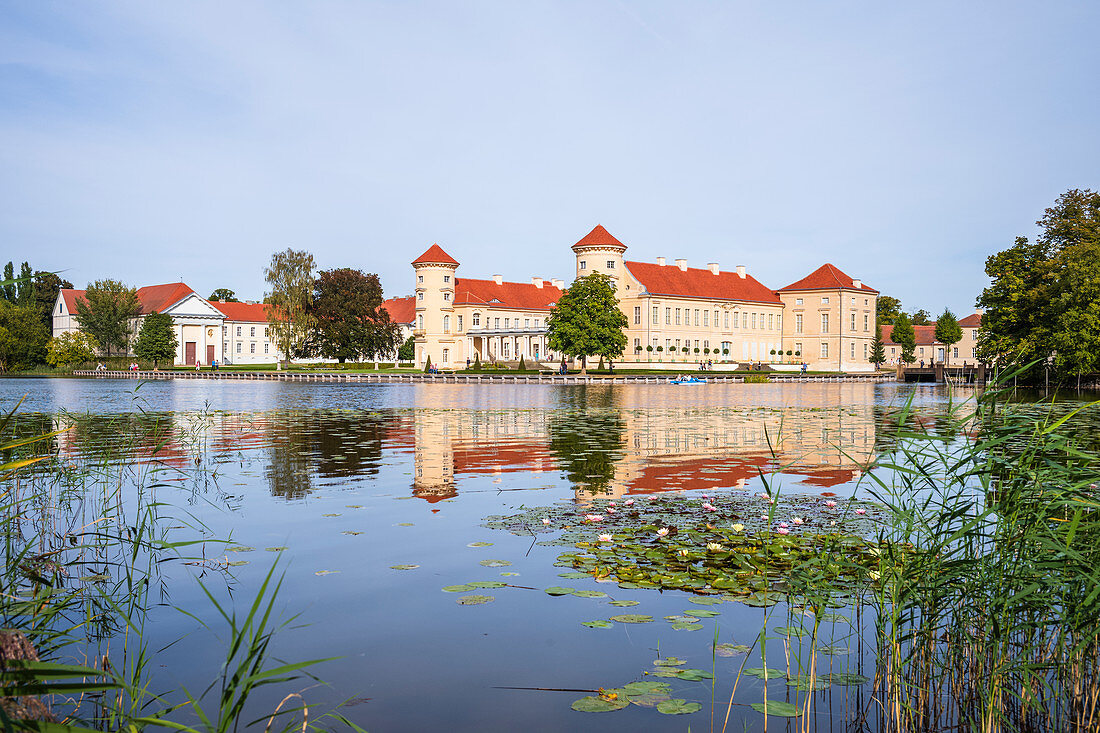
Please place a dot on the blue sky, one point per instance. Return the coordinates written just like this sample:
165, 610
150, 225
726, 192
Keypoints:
152, 141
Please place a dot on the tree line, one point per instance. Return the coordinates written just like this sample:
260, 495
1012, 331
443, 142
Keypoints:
26, 307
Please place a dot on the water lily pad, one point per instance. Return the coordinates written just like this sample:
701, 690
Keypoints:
589, 593
701, 612
726, 649
694, 675
632, 618
508, 574
678, 707
330, 515
833, 618
486, 584
624, 603
95, 578
599, 705
706, 600
663, 672
669, 662
400, 524
274, 549
765, 674
236, 563
681, 626
761, 600
557, 590
458, 588
326, 572
495, 563
354, 506
803, 683
678, 619
240, 548
834, 649
480, 544
776, 707
474, 600
845, 678
404, 567
597, 624
573, 576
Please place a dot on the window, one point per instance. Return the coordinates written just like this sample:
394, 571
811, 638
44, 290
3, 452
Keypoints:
866, 322
798, 346
715, 319
420, 322
824, 349
267, 347
727, 319
697, 343
668, 316
696, 316
265, 333
744, 320
706, 344
536, 323
754, 320
238, 330
637, 344
420, 278
238, 347
419, 296
975, 334
824, 323
779, 321
865, 352
655, 316
866, 301
637, 314
798, 301
225, 330
853, 322
677, 316
446, 356
955, 352
584, 265
771, 322
853, 301
446, 278
496, 323
706, 318
446, 296
225, 346
252, 332
507, 323
460, 324
252, 348
526, 322
824, 301
446, 324
668, 344
477, 319
853, 349
611, 264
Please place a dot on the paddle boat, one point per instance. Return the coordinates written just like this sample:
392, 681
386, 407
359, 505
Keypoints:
688, 380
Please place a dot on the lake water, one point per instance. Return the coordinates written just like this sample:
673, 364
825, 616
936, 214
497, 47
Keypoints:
355, 479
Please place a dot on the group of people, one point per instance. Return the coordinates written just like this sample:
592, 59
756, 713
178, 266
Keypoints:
706, 366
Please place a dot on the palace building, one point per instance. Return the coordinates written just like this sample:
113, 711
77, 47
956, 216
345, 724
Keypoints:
676, 315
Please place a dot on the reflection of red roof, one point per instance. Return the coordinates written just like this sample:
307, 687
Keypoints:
151, 297
523, 296
435, 255
972, 321
505, 457
401, 310
722, 472
599, 237
827, 277
696, 282
248, 312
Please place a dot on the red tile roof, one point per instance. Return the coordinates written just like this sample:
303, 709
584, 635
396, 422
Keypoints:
246, 312
151, 297
520, 296
435, 255
972, 321
827, 277
401, 310
695, 282
599, 237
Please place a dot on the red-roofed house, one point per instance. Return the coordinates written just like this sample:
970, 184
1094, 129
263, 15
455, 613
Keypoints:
676, 315
402, 312
929, 350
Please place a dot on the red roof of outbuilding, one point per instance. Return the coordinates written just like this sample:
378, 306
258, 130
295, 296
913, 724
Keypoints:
827, 277
926, 335
401, 310
247, 312
151, 297
695, 282
523, 296
435, 255
972, 321
599, 237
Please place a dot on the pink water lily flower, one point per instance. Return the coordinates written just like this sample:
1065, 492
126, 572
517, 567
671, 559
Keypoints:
594, 517
796, 520
783, 525
861, 511
611, 510
605, 538
545, 520
662, 531
830, 503
783, 530
629, 502
709, 507
764, 517
611, 503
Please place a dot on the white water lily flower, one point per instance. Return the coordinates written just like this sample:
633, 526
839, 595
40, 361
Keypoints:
662, 531
605, 538
714, 547
738, 527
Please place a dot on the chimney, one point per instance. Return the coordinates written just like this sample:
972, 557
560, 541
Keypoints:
682, 264
661, 261
537, 282
498, 279
857, 284
741, 271
713, 267
559, 284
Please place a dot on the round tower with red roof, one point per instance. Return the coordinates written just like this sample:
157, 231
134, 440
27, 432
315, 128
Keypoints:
434, 328
598, 251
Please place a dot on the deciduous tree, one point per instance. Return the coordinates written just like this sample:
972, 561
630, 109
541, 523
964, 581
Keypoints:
224, 295
71, 347
905, 337
350, 322
290, 275
156, 341
886, 310
948, 332
921, 318
105, 313
22, 337
587, 321
8, 286
25, 287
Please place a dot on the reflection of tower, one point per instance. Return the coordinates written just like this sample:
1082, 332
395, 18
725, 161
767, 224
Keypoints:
433, 461
435, 294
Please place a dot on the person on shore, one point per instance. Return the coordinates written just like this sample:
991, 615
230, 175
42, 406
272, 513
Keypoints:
198, 365
804, 365
214, 365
